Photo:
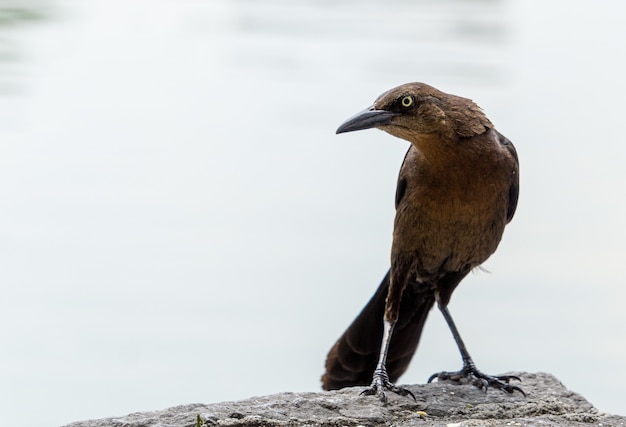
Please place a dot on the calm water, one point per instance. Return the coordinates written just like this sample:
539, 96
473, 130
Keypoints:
179, 223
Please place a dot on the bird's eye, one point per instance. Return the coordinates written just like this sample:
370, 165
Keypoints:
407, 101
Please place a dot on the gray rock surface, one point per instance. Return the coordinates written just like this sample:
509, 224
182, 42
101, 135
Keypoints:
548, 403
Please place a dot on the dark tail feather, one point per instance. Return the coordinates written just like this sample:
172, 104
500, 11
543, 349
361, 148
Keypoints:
353, 358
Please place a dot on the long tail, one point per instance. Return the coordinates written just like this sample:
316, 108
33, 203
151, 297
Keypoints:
353, 358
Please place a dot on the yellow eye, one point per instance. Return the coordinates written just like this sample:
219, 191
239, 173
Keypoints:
407, 101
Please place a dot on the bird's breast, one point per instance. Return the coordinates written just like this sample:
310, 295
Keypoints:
451, 219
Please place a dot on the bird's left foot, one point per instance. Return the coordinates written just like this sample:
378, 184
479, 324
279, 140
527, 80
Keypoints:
471, 375
380, 383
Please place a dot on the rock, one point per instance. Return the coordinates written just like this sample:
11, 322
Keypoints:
548, 403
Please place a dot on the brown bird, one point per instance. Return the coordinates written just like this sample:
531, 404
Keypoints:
457, 189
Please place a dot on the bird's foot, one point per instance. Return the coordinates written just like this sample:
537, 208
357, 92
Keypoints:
380, 383
471, 375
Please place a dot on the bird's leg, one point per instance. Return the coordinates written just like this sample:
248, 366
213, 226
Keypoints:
469, 370
380, 381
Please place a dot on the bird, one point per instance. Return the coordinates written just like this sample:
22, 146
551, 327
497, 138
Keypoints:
457, 189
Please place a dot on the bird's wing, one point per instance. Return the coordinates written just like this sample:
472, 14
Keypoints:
514, 189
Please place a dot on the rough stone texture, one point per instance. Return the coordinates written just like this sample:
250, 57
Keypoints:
548, 403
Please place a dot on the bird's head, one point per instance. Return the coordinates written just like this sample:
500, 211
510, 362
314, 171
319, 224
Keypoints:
415, 110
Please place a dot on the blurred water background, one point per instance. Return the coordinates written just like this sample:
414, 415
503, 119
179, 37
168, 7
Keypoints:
179, 223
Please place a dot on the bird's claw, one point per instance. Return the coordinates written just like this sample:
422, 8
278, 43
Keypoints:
471, 375
380, 383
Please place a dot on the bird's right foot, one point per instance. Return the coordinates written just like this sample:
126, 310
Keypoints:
380, 383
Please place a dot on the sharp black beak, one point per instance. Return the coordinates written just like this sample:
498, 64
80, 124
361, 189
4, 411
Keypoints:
366, 119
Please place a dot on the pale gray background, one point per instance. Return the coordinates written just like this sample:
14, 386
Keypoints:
179, 223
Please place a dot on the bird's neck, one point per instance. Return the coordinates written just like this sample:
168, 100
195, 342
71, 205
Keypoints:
454, 163
441, 153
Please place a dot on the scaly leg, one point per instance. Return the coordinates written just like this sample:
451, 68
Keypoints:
469, 370
380, 381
